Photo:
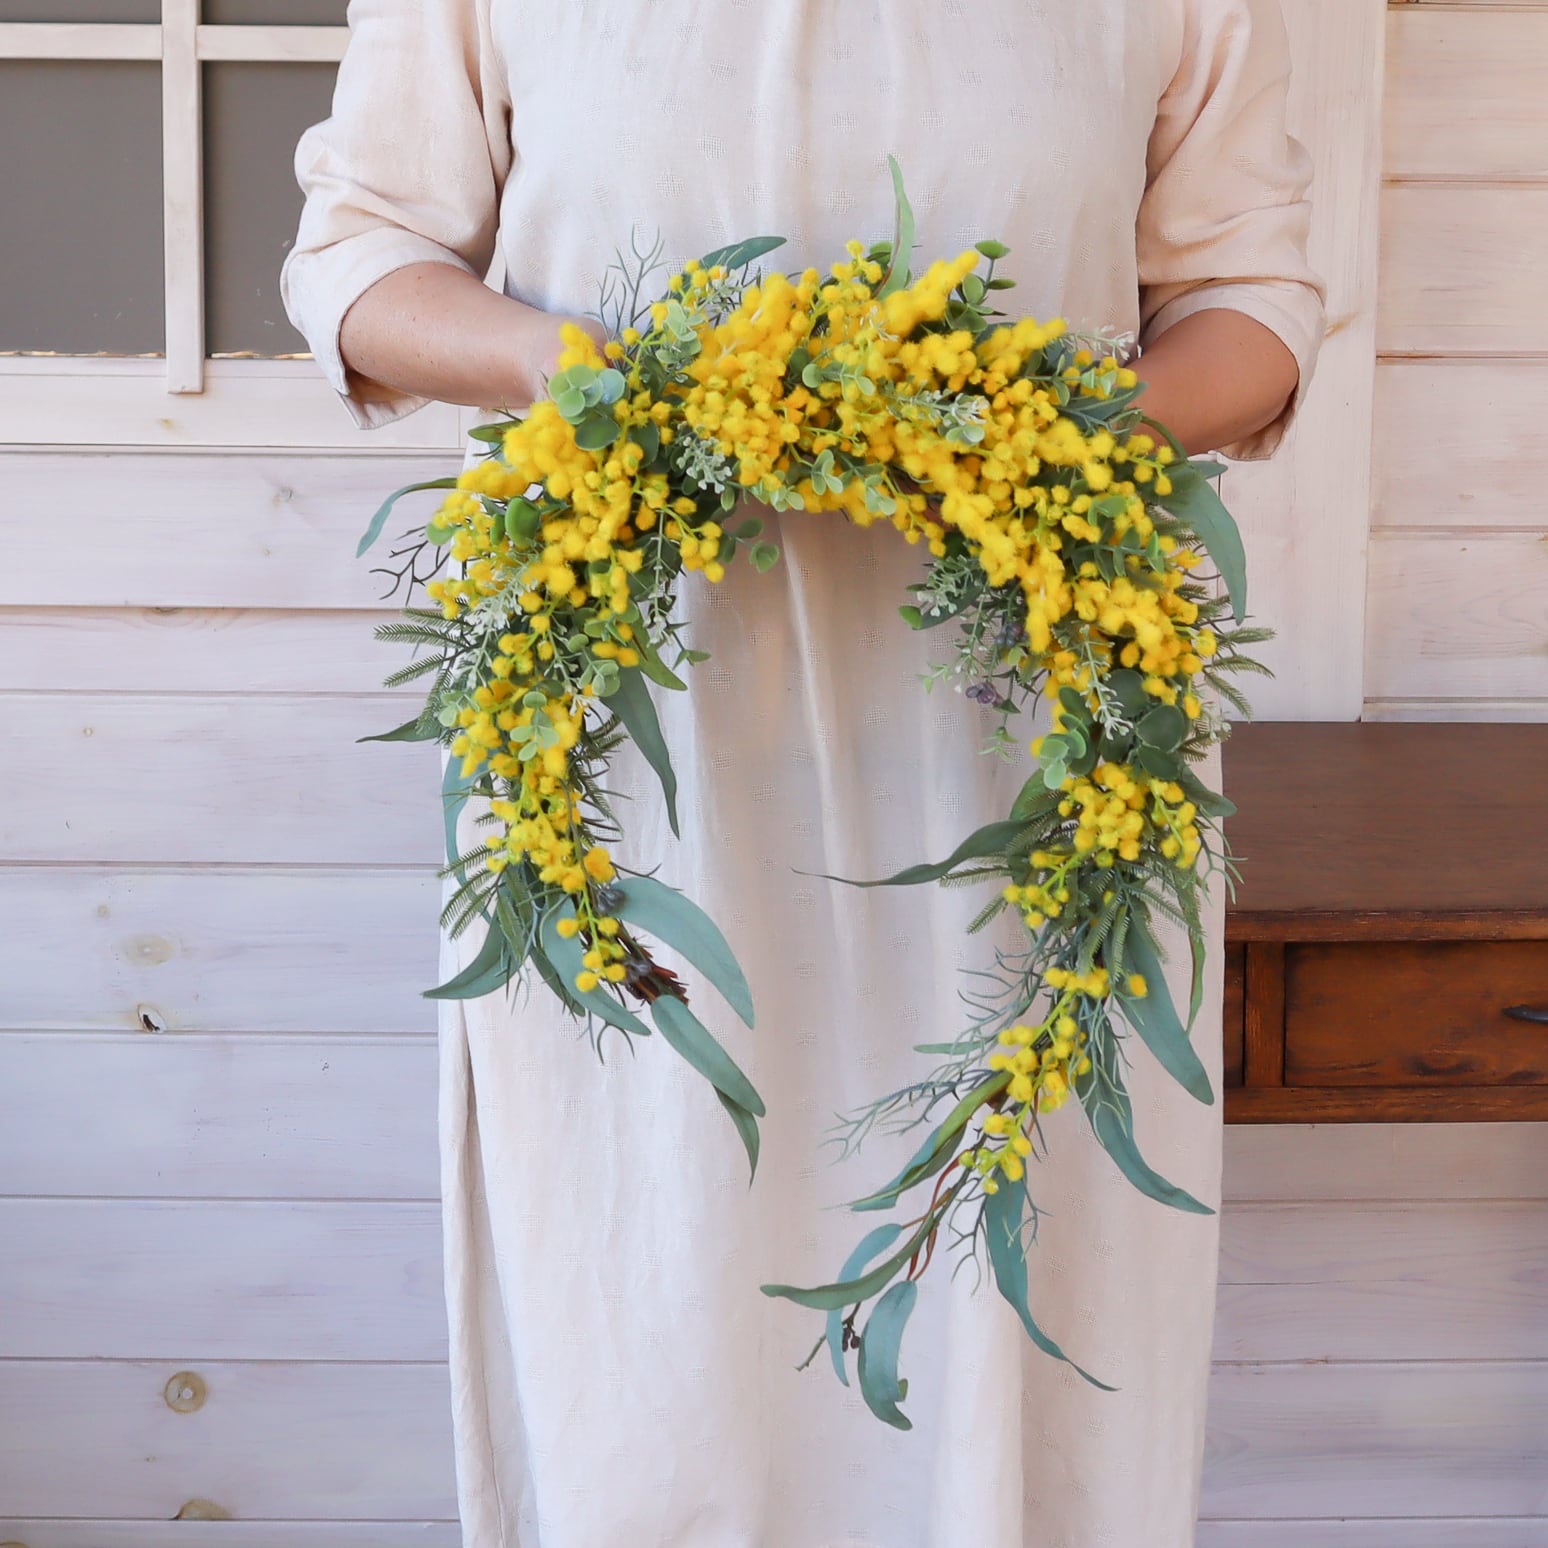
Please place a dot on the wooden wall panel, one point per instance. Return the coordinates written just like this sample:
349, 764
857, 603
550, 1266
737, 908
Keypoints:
218, 1117
190, 1280
95, 1533
1461, 443
198, 650
268, 950
1369, 1281
1465, 93
1449, 614
190, 779
272, 1441
1462, 270
1377, 1162
1433, 1438
1385, 1532
197, 529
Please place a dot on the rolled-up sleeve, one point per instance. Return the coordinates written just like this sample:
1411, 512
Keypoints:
1225, 216
408, 167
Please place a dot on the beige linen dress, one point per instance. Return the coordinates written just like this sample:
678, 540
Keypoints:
618, 1380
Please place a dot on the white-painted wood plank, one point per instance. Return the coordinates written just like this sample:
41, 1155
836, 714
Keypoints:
286, 402
57, 1533
1474, 709
1461, 443
272, 1441
1360, 1281
194, 779
80, 40
193, 1280
1465, 93
198, 650
1385, 1532
201, 529
212, 1116
182, 215
268, 950
1457, 616
1305, 554
1442, 1438
289, 45
1378, 1161
1461, 270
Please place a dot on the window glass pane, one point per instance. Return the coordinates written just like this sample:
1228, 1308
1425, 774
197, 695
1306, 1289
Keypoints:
80, 188
80, 10
277, 13
253, 115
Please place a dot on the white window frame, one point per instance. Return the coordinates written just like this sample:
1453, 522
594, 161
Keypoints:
222, 401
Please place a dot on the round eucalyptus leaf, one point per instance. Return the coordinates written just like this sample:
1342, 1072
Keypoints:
1165, 726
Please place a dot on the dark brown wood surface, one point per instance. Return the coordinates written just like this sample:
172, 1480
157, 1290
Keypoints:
1415, 1013
1411, 829
1393, 903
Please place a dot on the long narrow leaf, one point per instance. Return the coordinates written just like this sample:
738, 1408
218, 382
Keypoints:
878, 1361
903, 235
989, 840
689, 1036
1007, 1257
852, 1292
747, 1128
680, 923
379, 520
933, 1155
871, 1243
491, 968
1111, 1115
1154, 1016
455, 788
1193, 500
737, 255
565, 956
634, 707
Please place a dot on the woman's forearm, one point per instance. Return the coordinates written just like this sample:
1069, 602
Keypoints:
1214, 377
439, 331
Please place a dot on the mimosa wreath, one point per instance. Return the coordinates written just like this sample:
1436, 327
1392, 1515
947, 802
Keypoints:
1061, 540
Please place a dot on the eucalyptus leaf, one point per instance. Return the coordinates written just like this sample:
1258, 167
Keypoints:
567, 954
992, 839
872, 1243
1210, 802
933, 1155
1111, 1115
596, 431
1008, 1259
679, 922
878, 1355
455, 789
1154, 1016
903, 242
414, 730
689, 1036
1163, 727
1193, 501
746, 1128
379, 520
632, 703
851, 1292
492, 967
737, 255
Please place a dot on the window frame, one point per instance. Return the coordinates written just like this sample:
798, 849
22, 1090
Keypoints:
275, 401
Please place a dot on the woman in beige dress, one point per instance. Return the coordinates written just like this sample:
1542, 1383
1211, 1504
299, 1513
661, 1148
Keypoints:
618, 1381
